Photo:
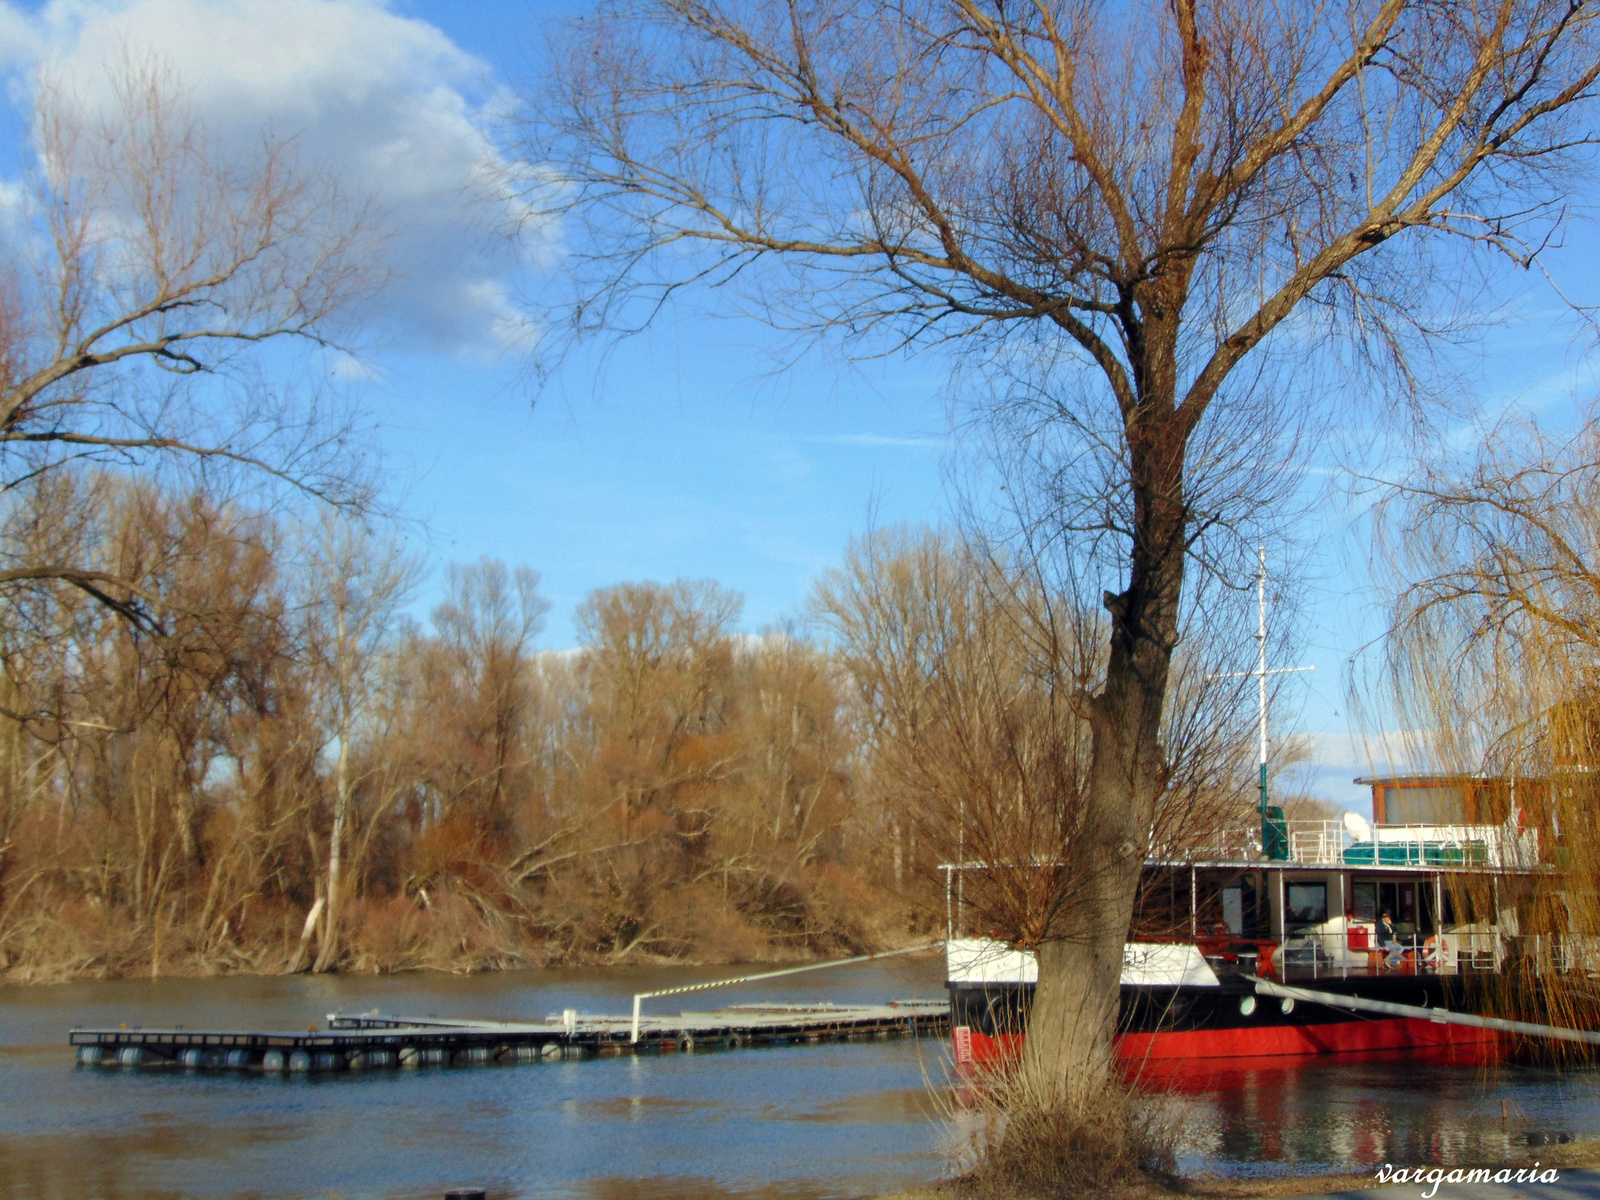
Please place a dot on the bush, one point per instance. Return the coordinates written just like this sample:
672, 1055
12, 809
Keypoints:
1020, 1143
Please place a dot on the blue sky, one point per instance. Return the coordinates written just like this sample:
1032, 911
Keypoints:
680, 456
679, 453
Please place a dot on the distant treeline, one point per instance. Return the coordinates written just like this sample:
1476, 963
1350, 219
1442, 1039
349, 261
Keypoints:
257, 762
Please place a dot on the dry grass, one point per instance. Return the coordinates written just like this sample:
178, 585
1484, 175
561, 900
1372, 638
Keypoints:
1012, 1140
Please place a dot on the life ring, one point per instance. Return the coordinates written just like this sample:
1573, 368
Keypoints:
1433, 948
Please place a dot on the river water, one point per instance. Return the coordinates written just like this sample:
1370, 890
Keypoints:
796, 1122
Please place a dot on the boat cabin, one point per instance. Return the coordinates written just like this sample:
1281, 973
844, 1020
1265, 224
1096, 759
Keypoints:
1438, 883
1308, 919
1431, 885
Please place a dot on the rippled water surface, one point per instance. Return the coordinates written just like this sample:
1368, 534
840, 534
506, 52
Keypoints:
1335, 1114
797, 1122
802, 1121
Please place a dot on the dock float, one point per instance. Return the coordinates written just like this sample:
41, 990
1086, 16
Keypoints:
377, 1040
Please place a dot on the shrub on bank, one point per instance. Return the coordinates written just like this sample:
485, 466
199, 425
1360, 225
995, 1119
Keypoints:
1015, 1143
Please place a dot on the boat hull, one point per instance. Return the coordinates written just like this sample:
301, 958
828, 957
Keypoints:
1225, 1023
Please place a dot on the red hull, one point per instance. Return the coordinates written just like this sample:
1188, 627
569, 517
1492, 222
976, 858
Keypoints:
1255, 1042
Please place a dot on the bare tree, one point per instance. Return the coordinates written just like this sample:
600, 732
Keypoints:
1495, 617
1492, 666
357, 582
146, 271
444, 798
1142, 195
974, 680
970, 680
486, 630
130, 731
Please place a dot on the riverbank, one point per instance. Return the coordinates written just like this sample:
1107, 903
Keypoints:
413, 943
1206, 1189
280, 966
1581, 1154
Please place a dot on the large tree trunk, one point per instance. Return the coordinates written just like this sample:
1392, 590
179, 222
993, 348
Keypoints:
1068, 1052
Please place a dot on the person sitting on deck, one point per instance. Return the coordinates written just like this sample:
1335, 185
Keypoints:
1387, 942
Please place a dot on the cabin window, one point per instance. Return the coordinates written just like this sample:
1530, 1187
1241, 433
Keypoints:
1162, 906
1308, 903
1364, 901
1233, 909
1399, 900
1424, 805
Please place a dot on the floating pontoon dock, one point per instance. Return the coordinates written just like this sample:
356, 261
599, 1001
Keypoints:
375, 1039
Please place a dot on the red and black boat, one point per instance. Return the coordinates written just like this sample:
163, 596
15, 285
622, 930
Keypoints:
1211, 928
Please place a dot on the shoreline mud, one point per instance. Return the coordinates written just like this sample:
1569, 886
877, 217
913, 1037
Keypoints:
1578, 1155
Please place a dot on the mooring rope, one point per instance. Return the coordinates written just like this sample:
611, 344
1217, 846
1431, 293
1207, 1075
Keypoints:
716, 983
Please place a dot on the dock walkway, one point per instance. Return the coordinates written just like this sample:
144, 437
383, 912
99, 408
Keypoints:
377, 1040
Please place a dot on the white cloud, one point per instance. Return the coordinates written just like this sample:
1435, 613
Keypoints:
13, 204
388, 103
1386, 752
340, 365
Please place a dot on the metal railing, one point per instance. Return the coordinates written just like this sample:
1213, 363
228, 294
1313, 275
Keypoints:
1315, 841
1324, 842
1310, 954
1328, 843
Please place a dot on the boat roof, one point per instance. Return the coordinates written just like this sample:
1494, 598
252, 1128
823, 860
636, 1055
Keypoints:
1291, 866
1429, 777
1285, 865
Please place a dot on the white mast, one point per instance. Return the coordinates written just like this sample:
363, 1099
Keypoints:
1261, 668
1261, 672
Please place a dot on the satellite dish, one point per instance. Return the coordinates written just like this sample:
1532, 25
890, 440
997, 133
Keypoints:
1357, 827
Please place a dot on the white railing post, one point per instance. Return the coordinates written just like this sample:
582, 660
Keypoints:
637, 996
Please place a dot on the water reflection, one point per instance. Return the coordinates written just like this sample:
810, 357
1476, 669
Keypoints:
1332, 1114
